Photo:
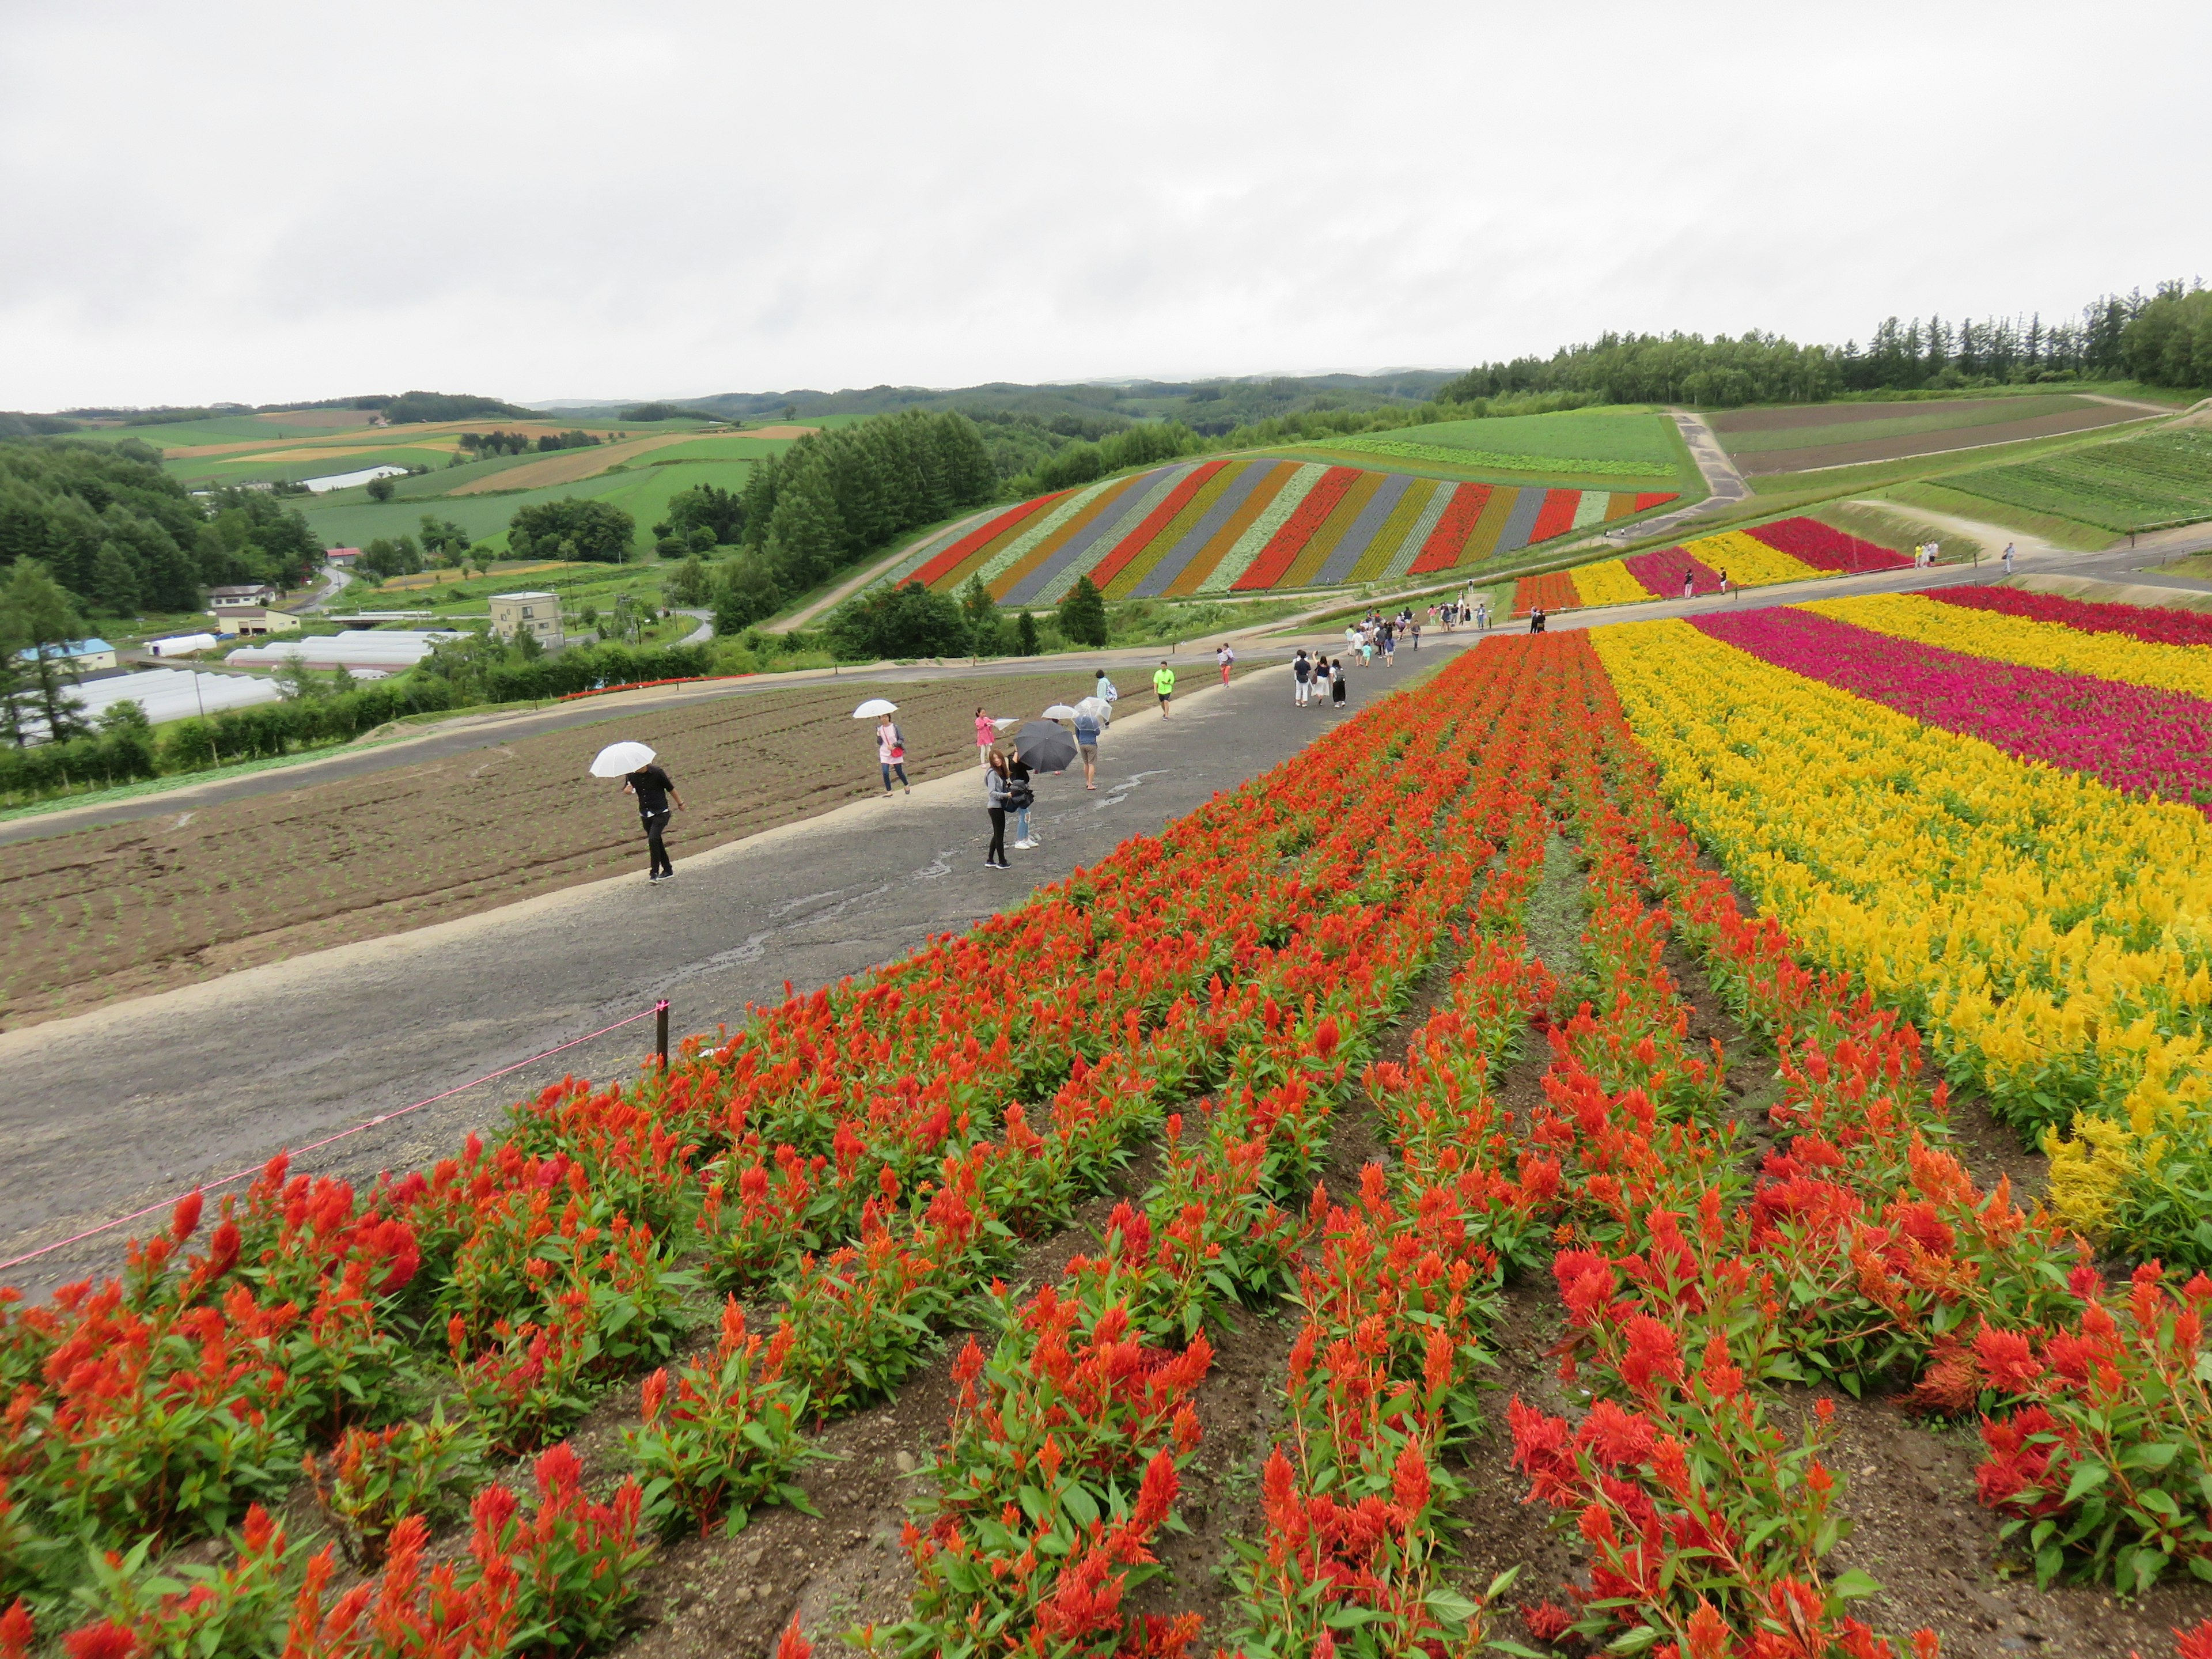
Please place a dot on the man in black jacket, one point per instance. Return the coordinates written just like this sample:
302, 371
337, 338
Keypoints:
654, 790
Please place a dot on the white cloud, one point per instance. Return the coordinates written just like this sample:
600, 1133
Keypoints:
266, 202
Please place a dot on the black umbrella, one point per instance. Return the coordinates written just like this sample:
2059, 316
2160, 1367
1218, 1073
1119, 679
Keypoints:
1045, 747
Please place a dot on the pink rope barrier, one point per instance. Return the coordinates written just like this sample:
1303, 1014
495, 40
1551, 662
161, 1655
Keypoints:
327, 1140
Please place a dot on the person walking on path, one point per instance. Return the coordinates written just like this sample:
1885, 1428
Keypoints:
1021, 795
996, 788
1227, 658
654, 790
1337, 689
1689, 582
1164, 686
1302, 670
891, 754
1724, 586
1417, 636
2007, 558
1104, 690
986, 733
1086, 745
1389, 646
1482, 614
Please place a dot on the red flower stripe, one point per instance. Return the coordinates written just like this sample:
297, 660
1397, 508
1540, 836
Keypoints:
1285, 545
1449, 539
1158, 519
953, 557
1557, 515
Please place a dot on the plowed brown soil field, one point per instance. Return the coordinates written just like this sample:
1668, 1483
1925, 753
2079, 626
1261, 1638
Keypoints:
568, 465
136, 907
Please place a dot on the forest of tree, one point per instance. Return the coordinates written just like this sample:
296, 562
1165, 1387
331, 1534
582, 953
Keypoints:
839, 494
121, 536
2164, 339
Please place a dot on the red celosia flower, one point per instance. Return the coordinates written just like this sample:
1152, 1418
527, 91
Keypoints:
16, 1632
105, 1640
792, 1645
184, 1219
1409, 1481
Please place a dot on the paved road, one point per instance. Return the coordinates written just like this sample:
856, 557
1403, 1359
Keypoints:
117, 1108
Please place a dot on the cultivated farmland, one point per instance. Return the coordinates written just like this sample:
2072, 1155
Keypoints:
2144, 483
1811, 437
104, 913
1620, 1104
1247, 525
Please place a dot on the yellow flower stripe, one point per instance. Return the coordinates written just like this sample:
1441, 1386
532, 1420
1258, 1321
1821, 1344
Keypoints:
1608, 583
2184, 668
1749, 562
2050, 934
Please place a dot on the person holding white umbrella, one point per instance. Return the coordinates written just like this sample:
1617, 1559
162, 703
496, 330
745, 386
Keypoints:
890, 742
644, 777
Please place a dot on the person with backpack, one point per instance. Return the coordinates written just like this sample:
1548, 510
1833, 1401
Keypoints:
890, 753
1086, 745
1104, 690
1020, 796
654, 789
1227, 658
996, 786
1164, 686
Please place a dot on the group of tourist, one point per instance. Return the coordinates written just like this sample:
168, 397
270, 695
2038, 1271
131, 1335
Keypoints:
1470, 607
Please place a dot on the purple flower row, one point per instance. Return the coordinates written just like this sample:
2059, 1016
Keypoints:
2134, 737
2156, 625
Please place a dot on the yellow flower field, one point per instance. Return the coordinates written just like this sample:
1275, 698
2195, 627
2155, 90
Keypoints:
2052, 935
2184, 668
1607, 583
1749, 562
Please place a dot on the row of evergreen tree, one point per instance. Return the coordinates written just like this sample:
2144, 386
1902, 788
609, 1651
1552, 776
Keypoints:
2132, 336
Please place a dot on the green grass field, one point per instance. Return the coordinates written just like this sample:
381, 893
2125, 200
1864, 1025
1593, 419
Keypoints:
2144, 483
720, 446
1910, 421
350, 518
1619, 435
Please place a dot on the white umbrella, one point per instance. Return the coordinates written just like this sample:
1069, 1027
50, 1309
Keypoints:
1098, 709
619, 760
1003, 721
873, 707
1059, 711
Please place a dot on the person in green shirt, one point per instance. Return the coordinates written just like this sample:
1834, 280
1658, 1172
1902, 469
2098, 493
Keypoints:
1164, 684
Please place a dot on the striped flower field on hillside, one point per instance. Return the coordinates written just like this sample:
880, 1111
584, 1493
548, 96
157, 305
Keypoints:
1247, 525
1786, 550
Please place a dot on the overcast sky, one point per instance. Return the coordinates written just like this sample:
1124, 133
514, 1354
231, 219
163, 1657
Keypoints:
232, 201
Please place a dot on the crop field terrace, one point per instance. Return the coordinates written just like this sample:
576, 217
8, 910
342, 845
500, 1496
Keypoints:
1621, 1103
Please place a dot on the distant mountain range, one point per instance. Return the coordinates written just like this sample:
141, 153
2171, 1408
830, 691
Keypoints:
1214, 405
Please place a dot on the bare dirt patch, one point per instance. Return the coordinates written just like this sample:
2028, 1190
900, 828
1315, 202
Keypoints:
1799, 415
126, 909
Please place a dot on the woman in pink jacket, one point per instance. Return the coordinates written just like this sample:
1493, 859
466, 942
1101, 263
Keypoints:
986, 733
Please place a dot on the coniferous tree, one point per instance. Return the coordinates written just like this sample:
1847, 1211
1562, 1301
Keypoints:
1083, 613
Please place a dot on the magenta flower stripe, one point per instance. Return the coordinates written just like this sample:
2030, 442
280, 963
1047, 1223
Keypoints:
2152, 623
2133, 738
1661, 572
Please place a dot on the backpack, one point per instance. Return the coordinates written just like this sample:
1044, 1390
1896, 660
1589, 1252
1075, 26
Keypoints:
1019, 794
1106, 691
